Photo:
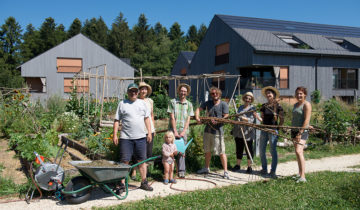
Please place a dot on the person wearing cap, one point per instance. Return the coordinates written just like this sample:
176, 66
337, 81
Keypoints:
134, 117
213, 139
244, 113
271, 114
144, 91
180, 111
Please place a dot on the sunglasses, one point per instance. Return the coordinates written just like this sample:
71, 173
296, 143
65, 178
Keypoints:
214, 93
133, 91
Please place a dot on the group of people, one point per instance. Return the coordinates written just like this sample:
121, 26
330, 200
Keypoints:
137, 130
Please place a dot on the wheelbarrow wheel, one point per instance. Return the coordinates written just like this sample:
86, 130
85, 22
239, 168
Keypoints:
76, 184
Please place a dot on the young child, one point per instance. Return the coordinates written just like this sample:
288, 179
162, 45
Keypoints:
169, 151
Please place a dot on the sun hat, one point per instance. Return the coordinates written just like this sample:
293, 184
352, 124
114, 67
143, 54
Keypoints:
186, 86
132, 86
273, 89
144, 84
248, 94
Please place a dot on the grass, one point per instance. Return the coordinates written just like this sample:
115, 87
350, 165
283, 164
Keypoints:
7, 186
324, 190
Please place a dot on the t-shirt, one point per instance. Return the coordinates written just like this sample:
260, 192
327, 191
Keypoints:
215, 111
132, 115
249, 132
269, 110
181, 113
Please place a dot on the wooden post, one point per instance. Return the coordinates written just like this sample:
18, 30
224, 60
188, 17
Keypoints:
175, 88
218, 82
197, 91
141, 75
96, 87
103, 95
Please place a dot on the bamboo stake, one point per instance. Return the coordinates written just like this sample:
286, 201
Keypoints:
103, 96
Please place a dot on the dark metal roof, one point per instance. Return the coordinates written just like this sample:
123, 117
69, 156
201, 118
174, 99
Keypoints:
188, 55
289, 26
261, 35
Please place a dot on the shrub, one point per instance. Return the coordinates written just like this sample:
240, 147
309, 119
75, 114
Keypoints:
56, 105
316, 96
68, 122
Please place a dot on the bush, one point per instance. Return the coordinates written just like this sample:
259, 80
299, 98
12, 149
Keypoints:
56, 105
68, 122
316, 96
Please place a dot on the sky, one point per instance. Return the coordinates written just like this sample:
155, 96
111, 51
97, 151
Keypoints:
185, 12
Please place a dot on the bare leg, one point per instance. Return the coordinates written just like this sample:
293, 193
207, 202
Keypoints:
249, 162
134, 171
223, 159
166, 170
142, 169
299, 150
207, 159
171, 172
238, 162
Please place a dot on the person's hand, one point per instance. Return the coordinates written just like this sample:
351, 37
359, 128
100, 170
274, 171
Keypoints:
115, 140
176, 134
298, 137
310, 127
198, 120
243, 119
182, 134
154, 133
149, 138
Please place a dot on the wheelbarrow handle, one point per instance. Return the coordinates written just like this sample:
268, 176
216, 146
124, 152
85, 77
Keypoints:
144, 161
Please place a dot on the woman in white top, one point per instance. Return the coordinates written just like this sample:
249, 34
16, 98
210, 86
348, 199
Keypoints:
144, 92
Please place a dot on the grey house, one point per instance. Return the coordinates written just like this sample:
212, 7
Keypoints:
181, 67
52, 72
283, 54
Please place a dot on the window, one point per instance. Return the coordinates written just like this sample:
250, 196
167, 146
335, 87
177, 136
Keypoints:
345, 44
222, 54
69, 65
36, 84
284, 77
183, 72
81, 84
345, 78
219, 82
293, 41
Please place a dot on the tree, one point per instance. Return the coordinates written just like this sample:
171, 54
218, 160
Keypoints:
120, 42
10, 36
201, 33
175, 32
96, 30
60, 34
48, 34
75, 28
31, 43
192, 38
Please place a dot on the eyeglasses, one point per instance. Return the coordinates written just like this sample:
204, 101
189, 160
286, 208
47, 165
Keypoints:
214, 93
248, 98
133, 91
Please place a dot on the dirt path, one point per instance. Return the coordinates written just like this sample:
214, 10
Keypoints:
99, 198
12, 166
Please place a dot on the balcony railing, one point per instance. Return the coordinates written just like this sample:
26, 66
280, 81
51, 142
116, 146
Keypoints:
260, 82
345, 84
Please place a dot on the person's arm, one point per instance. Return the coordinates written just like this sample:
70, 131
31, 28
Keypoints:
115, 131
197, 114
173, 125
148, 127
186, 126
307, 113
152, 115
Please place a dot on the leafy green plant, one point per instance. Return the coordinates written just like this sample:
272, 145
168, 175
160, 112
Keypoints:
68, 122
316, 96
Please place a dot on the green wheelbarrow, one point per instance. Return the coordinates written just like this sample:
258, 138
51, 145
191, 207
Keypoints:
78, 190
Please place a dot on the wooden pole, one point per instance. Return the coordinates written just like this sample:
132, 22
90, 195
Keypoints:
89, 95
197, 91
103, 95
175, 88
96, 87
141, 77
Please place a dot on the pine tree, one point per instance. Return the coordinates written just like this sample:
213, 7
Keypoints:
96, 30
120, 42
10, 36
48, 34
175, 32
30, 46
75, 28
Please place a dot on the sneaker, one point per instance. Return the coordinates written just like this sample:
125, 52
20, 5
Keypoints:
120, 189
133, 178
173, 181
249, 170
301, 180
166, 181
236, 168
263, 172
203, 171
145, 186
226, 175
182, 174
296, 177
273, 175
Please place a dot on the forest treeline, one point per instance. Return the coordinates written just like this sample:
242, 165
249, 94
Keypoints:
152, 48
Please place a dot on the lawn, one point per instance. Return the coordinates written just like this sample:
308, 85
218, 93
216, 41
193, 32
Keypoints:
324, 190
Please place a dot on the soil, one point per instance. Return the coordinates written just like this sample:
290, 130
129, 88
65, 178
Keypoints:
12, 166
101, 163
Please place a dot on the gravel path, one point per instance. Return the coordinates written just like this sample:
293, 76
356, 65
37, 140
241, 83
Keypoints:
99, 198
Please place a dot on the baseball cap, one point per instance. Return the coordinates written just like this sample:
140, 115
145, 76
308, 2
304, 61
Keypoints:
133, 86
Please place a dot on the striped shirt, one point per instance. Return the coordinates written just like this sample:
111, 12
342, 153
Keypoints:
181, 113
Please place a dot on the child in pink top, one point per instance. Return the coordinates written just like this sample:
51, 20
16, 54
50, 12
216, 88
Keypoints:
169, 151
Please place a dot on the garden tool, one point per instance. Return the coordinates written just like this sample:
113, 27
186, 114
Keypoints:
180, 145
49, 176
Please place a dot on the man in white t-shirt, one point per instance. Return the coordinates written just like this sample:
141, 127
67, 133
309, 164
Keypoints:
134, 117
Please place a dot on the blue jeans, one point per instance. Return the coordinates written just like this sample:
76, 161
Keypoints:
264, 138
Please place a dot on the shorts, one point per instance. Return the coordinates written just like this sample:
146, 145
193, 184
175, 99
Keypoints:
130, 147
149, 147
214, 143
304, 135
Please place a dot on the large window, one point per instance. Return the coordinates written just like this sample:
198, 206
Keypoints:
284, 77
82, 85
345, 44
36, 84
257, 77
222, 54
345, 78
69, 65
